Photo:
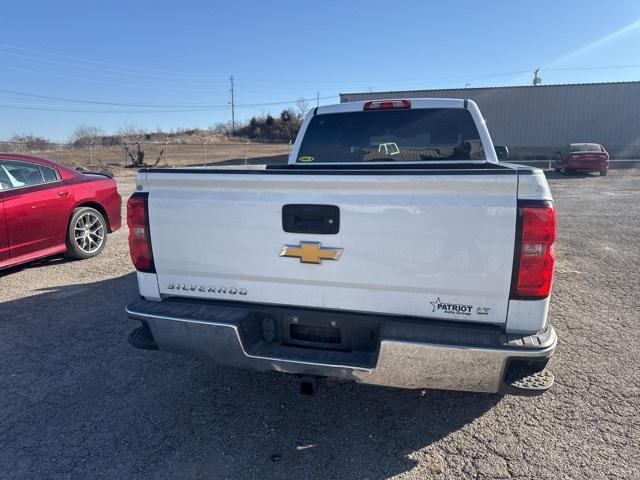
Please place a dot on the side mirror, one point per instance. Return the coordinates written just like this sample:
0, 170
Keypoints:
502, 151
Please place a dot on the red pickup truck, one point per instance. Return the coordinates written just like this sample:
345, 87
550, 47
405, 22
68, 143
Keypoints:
586, 157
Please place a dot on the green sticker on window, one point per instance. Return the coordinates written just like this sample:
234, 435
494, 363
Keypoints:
306, 158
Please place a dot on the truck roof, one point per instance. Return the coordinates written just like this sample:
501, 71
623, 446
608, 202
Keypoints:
415, 103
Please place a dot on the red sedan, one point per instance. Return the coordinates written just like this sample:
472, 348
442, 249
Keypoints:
47, 209
586, 157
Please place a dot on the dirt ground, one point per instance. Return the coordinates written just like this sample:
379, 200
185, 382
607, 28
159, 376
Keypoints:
77, 401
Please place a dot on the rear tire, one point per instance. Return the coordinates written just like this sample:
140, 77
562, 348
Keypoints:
87, 233
564, 170
604, 171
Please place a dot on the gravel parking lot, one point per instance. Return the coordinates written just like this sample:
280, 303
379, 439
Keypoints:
76, 401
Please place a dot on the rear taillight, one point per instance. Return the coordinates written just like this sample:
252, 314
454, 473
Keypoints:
139, 236
535, 256
387, 105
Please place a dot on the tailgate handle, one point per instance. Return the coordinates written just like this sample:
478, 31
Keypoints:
308, 218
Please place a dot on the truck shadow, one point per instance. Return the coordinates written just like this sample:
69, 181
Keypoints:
78, 401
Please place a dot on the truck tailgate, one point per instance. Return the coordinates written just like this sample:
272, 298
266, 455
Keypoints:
436, 245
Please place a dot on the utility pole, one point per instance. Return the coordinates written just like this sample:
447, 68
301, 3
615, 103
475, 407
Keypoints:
317, 99
233, 109
536, 78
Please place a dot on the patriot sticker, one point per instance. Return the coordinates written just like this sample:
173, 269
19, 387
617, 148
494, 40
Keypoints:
451, 308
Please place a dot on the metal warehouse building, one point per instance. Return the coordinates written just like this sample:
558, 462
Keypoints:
535, 121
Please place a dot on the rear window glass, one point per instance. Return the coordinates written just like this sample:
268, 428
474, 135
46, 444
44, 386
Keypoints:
413, 135
49, 174
587, 147
16, 174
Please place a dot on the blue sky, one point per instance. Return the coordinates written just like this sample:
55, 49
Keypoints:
182, 54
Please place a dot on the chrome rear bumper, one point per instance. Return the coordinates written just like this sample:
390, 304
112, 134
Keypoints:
399, 362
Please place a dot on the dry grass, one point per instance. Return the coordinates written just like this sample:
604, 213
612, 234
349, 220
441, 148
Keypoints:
175, 154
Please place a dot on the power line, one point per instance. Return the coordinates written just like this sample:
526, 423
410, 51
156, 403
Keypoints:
50, 108
285, 103
40, 52
369, 81
97, 102
609, 67
479, 76
178, 74
218, 76
203, 75
68, 110
71, 77
113, 72
141, 105
233, 105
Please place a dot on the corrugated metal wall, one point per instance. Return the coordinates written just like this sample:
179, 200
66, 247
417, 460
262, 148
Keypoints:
548, 116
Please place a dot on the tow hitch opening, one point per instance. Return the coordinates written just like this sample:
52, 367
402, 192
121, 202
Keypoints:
308, 385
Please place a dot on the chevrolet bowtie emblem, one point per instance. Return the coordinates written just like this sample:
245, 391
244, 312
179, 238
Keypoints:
311, 252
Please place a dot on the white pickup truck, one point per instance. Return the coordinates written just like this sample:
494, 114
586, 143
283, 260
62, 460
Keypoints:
393, 249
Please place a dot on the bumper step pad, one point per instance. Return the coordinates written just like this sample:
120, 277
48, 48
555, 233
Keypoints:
525, 382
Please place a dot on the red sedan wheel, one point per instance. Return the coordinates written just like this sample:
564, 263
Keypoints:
87, 233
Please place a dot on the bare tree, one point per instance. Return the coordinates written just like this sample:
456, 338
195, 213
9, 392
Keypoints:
137, 157
226, 128
31, 142
130, 132
86, 134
